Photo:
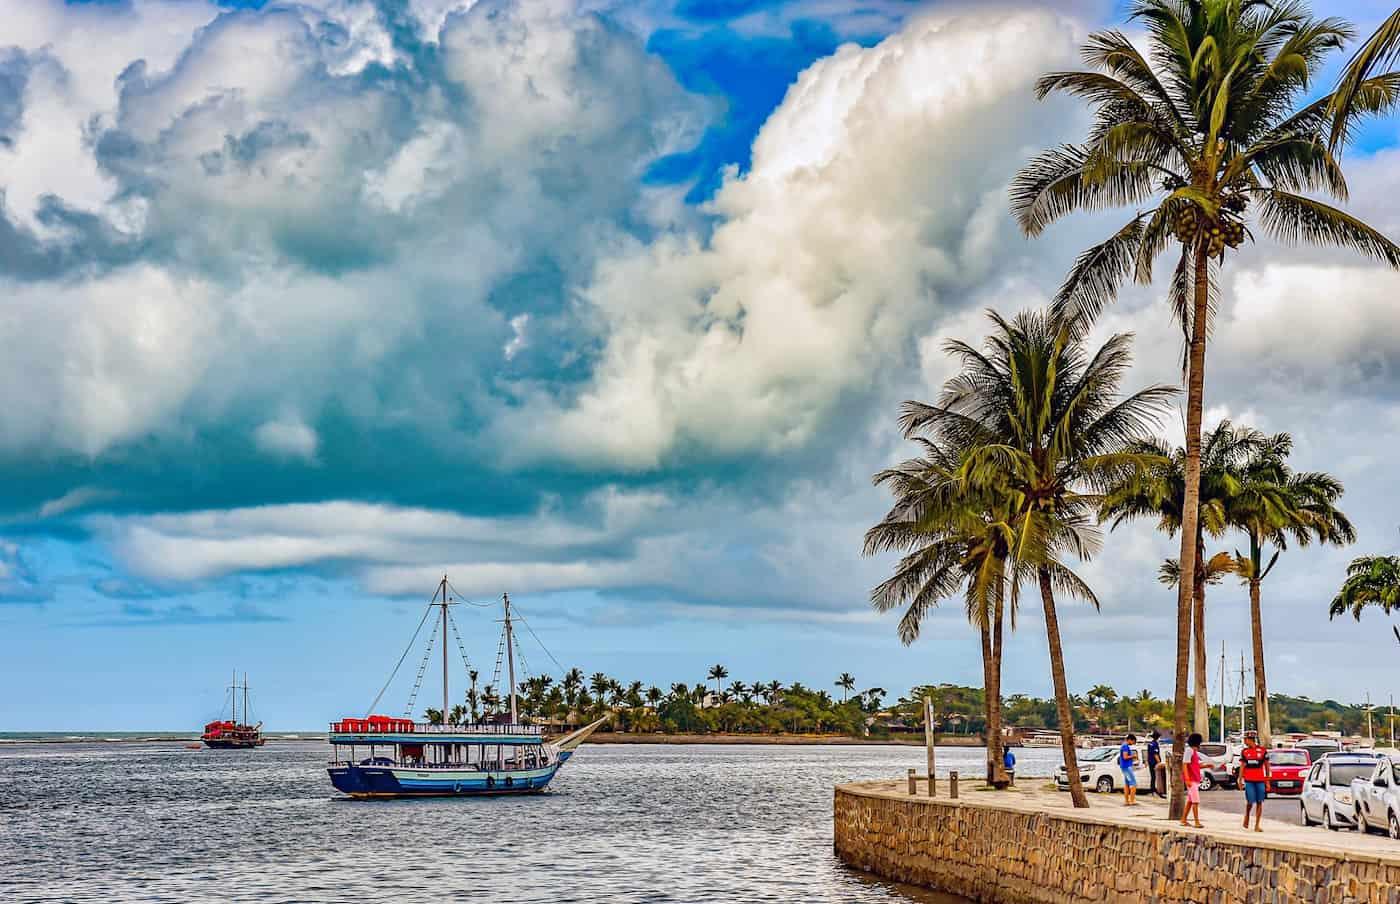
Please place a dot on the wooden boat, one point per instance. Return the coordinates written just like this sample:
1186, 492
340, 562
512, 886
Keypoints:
231, 734
379, 756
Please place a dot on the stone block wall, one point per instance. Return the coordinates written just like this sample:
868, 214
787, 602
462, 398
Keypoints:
1018, 857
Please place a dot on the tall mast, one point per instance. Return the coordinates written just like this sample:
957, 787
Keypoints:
233, 696
444, 649
510, 661
245, 698
1242, 725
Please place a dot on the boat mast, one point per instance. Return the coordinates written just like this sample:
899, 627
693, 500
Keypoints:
444, 649
245, 698
233, 696
510, 661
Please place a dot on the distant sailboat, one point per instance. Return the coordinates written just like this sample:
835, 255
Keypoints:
437, 759
231, 734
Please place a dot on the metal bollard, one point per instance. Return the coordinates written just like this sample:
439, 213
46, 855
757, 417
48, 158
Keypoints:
953, 785
913, 782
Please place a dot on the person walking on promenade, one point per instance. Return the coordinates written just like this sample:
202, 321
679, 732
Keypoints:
1008, 760
1254, 772
1127, 759
1155, 765
1191, 777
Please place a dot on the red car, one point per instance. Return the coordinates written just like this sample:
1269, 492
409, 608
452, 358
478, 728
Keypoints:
1287, 768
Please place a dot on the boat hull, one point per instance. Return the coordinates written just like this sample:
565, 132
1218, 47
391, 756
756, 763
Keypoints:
231, 744
397, 781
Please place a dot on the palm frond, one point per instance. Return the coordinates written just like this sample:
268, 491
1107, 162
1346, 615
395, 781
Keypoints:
1295, 218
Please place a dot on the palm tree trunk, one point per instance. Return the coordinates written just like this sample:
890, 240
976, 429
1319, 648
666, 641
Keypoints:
1057, 677
1201, 692
1261, 689
994, 738
1190, 518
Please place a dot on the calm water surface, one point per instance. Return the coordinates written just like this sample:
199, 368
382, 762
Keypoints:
157, 822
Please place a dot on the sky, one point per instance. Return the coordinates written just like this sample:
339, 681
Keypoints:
608, 305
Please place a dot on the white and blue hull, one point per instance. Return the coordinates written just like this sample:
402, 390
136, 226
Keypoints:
407, 781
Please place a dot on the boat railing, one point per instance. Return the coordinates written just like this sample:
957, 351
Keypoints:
362, 727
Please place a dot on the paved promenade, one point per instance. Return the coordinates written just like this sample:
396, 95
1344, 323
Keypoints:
1034, 795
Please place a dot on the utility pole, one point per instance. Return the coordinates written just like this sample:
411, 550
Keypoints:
1369, 733
1222, 692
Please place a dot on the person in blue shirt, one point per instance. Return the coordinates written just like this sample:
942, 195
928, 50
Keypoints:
1008, 759
1154, 765
1127, 759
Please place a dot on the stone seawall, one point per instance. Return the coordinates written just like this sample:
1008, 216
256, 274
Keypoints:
1025, 851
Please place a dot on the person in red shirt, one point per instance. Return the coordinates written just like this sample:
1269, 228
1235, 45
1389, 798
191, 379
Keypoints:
1254, 772
1191, 775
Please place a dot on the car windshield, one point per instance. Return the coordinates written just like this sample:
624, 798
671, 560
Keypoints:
1288, 758
1099, 755
1341, 774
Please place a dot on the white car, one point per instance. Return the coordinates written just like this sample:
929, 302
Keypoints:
1098, 770
1327, 795
1376, 798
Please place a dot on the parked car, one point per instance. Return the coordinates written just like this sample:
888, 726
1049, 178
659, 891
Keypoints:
1098, 770
1216, 771
1327, 794
1376, 798
1288, 768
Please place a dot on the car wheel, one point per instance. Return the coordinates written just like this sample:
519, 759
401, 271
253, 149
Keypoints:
1104, 785
1327, 820
1207, 782
1394, 826
1303, 814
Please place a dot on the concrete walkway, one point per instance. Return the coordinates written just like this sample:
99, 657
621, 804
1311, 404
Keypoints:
1039, 795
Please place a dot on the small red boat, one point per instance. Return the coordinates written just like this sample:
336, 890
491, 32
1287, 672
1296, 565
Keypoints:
231, 734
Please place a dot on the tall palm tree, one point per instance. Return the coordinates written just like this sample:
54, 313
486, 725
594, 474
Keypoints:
1044, 425
1272, 506
600, 684
717, 674
774, 691
1361, 91
473, 698
954, 536
433, 716
1210, 126
1160, 493
653, 696
1371, 581
847, 683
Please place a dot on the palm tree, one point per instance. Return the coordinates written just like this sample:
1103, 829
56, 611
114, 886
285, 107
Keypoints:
473, 698
1160, 493
653, 696
458, 714
717, 674
1043, 423
1371, 581
953, 535
773, 692
433, 716
1360, 92
1208, 128
600, 684
847, 684
1273, 505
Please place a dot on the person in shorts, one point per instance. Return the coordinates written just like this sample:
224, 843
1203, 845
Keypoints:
1008, 760
1127, 759
1254, 772
1191, 777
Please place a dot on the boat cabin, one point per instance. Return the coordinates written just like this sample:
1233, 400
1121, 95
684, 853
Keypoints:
483, 747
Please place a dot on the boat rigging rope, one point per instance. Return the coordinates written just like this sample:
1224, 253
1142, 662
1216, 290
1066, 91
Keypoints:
460, 648
556, 662
422, 668
401, 659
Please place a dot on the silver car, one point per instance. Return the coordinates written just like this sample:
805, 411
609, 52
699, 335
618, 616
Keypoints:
1327, 795
1376, 798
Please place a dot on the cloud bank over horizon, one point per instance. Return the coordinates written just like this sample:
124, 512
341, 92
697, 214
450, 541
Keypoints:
355, 293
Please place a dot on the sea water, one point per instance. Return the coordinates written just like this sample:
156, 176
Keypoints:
143, 821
